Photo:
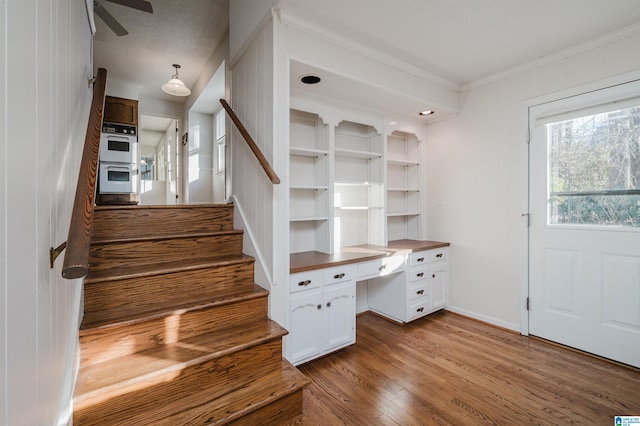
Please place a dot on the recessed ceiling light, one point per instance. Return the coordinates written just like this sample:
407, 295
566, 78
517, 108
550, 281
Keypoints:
426, 112
310, 79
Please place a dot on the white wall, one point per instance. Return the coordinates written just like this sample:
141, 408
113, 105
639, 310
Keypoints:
252, 98
44, 106
201, 160
476, 175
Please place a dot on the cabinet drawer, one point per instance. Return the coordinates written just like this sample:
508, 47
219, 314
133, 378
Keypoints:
305, 280
418, 290
419, 273
339, 274
419, 308
439, 254
419, 258
381, 267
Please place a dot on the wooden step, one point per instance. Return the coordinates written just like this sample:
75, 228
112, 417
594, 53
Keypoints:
276, 394
140, 221
109, 338
271, 399
132, 385
169, 285
111, 254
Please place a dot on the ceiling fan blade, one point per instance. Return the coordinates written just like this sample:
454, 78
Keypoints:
142, 5
109, 19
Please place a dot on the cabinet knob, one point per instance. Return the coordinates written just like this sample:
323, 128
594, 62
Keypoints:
304, 283
433, 276
419, 309
338, 276
328, 304
420, 292
421, 274
439, 255
420, 259
319, 306
382, 267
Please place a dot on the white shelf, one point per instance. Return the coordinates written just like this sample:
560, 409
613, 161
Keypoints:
401, 214
310, 187
358, 207
403, 189
308, 219
307, 152
356, 154
357, 183
402, 162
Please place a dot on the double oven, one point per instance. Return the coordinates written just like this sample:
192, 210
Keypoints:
118, 173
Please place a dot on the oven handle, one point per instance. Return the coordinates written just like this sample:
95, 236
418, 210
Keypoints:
127, 169
122, 138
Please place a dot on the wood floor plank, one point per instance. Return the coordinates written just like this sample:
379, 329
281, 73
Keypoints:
447, 369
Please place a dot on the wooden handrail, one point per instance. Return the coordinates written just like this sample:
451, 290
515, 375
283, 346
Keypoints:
256, 151
76, 257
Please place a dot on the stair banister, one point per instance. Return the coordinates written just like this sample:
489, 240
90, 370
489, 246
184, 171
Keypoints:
76, 258
271, 174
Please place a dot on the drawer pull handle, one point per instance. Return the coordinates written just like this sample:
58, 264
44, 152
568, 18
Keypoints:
304, 283
328, 304
439, 255
382, 267
419, 309
420, 292
319, 306
338, 276
420, 259
421, 274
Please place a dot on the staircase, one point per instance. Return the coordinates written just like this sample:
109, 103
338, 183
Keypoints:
175, 332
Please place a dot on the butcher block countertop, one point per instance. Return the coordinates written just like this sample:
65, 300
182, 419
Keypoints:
310, 260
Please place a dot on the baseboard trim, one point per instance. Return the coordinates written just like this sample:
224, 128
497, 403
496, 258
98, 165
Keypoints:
485, 319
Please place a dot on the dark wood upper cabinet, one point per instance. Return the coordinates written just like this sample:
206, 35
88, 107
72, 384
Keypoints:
118, 110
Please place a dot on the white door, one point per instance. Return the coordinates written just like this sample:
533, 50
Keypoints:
584, 283
305, 330
339, 314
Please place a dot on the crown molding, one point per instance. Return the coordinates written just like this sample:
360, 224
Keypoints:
298, 23
558, 56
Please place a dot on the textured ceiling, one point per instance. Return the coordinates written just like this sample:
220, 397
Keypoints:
185, 32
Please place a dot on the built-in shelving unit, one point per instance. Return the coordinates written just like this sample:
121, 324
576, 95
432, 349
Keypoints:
358, 185
403, 185
351, 185
309, 189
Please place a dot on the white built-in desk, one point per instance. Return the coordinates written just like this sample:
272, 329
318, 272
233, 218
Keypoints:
406, 280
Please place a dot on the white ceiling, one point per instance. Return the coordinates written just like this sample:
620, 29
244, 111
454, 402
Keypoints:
458, 41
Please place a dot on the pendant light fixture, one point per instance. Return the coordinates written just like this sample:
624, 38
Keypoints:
175, 86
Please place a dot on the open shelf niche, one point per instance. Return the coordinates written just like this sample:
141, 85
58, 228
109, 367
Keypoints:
358, 186
404, 184
309, 188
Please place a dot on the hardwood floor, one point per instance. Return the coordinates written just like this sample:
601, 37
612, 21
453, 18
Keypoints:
449, 370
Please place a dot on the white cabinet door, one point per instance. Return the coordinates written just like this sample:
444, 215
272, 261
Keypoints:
339, 315
438, 283
305, 325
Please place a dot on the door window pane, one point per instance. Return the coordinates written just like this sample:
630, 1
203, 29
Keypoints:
594, 169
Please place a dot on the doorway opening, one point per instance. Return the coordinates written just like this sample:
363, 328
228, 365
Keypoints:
159, 160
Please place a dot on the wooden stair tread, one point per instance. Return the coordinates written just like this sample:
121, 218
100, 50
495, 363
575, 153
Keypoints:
162, 206
149, 269
121, 316
115, 376
233, 405
173, 236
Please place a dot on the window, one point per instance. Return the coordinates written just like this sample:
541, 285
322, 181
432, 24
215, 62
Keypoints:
220, 144
594, 168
